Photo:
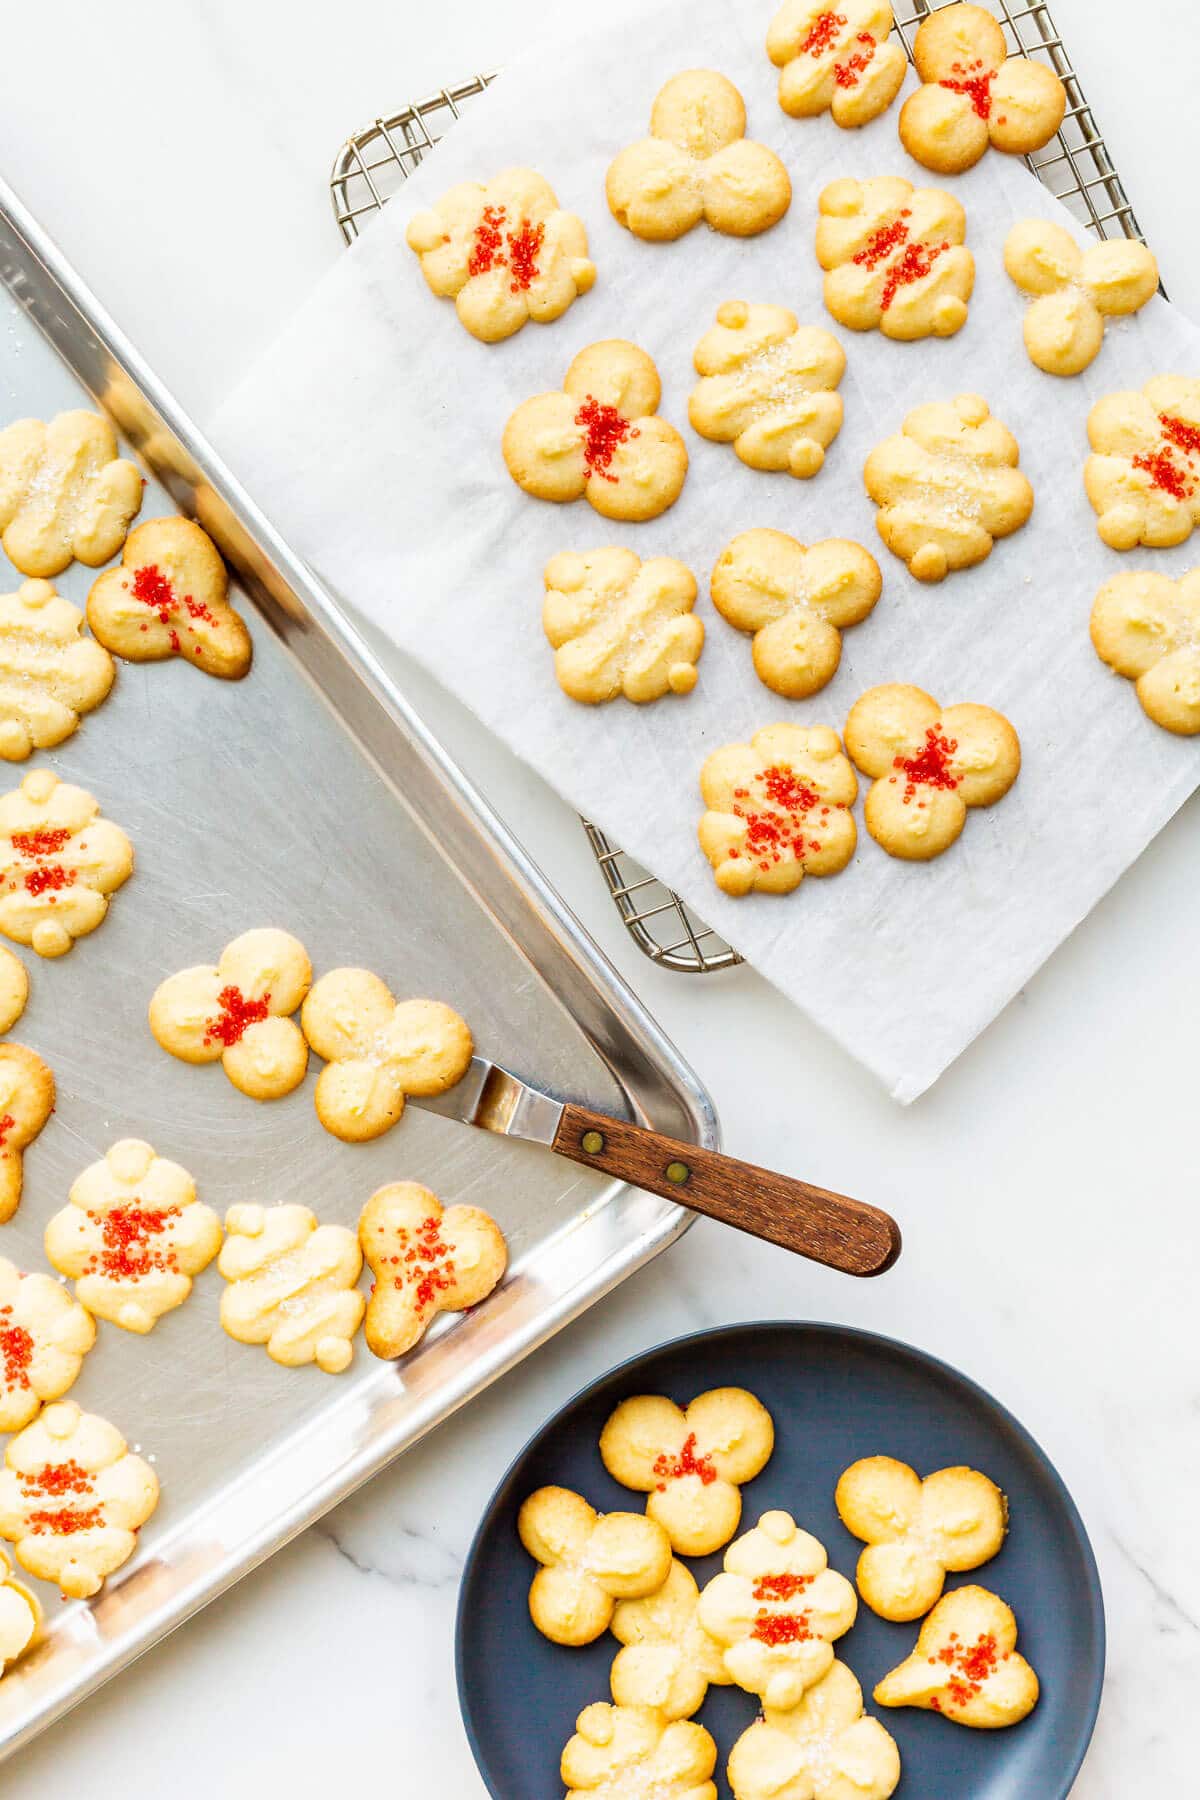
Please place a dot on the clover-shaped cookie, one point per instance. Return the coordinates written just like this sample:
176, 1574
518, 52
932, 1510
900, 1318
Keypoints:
633, 1753
59, 863
133, 1236
797, 600
14, 988
170, 597
668, 1659
72, 1498
44, 1337
64, 493
1146, 627
237, 1012
20, 1616
697, 164
894, 258
966, 1664
823, 1749
1074, 291
291, 1285
504, 253
378, 1049
975, 94
947, 486
26, 1102
1143, 477
917, 1531
589, 1561
599, 437
50, 675
836, 60
692, 1462
425, 1261
778, 810
768, 388
928, 764
619, 625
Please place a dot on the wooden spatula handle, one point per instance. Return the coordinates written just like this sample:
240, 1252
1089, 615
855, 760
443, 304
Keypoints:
827, 1227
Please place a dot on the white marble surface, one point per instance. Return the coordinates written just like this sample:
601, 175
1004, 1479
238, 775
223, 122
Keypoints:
1047, 1185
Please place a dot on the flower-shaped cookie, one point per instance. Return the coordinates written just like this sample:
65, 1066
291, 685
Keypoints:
1143, 477
589, 1561
947, 486
72, 1498
797, 600
1074, 291
425, 1261
59, 862
504, 253
133, 1236
917, 1531
697, 164
823, 1749
836, 59
668, 1659
377, 1050
975, 94
170, 597
778, 809
621, 626
291, 1285
20, 1616
691, 1462
14, 988
768, 388
599, 437
966, 1664
64, 493
928, 764
50, 675
1147, 627
238, 1012
778, 1608
633, 1753
44, 1337
26, 1102
894, 257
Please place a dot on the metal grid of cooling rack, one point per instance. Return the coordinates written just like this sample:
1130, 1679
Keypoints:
1075, 166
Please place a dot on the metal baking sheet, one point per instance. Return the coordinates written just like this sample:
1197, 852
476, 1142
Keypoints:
310, 797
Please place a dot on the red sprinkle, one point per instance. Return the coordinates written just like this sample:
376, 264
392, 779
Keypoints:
606, 428
969, 1665
16, 1348
236, 1015
47, 841
524, 248
54, 876
127, 1252
773, 834
669, 1468
6, 1125
518, 251
931, 766
781, 1587
63, 1521
488, 249
428, 1263
1165, 473
848, 74
57, 1479
973, 80
781, 1628
881, 243
1184, 436
916, 262
154, 590
823, 33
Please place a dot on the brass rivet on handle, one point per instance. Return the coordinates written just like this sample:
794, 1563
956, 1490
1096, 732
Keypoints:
593, 1142
677, 1173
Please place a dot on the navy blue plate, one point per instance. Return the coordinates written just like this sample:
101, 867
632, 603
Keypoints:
835, 1395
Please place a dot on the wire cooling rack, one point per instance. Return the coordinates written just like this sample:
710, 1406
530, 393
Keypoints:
1075, 166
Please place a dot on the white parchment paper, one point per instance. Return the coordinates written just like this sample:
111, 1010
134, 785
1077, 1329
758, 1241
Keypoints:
371, 434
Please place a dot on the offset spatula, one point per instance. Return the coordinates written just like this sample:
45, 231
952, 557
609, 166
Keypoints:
843, 1233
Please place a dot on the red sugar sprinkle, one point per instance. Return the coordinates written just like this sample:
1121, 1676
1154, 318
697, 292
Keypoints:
47, 841
772, 834
54, 876
848, 74
931, 766
57, 1478
488, 251
969, 1665
63, 1522
524, 248
882, 242
236, 1015
1181, 433
781, 1628
6, 1125
973, 80
154, 590
781, 1587
16, 1348
428, 1262
669, 1468
916, 262
1165, 473
127, 1252
823, 33
606, 428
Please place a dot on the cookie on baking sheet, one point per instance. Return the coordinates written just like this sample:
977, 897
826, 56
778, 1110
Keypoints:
667, 1660
697, 165
133, 1236
20, 1616
504, 252
425, 1260
768, 387
238, 1010
589, 1561
1146, 627
692, 1461
895, 258
947, 486
73, 1497
917, 1531
633, 1753
170, 597
26, 1102
1143, 476
291, 1285
621, 626
378, 1049
778, 809
59, 863
928, 764
797, 599
14, 988
966, 1665
44, 1337
825, 1748
50, 674
974, 93
1074, 290
65, 494
836, 59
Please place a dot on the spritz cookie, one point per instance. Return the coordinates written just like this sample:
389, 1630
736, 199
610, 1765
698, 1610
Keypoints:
797, 600
825, 1748
917, 1531
1146, 627
170, 597
65, 494
588, 1561
692, 1462
667, 1660
504, 253
26, 1102
1143, 477
1074, 291
697, 165
50, 674
14, 988
966, 1665
425, 1261
633, 1753
237, 1012
975, 94
769, 387
778, 809
621, 626
895, 257
20, 1616
44, 1337
836, 59
928, 764
291, 1285
59, 863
